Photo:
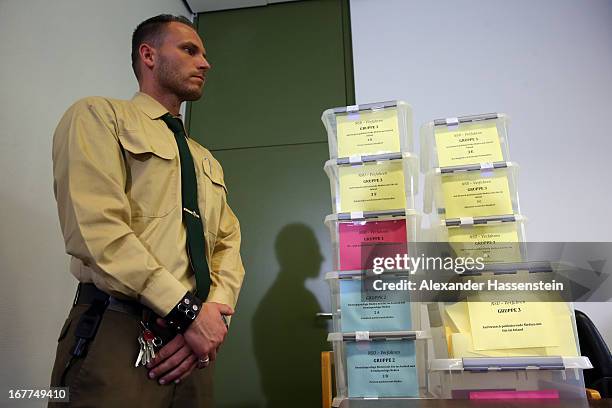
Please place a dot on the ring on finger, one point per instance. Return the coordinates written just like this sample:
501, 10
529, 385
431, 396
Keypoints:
203, 362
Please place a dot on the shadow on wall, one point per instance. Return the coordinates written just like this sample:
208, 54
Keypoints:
287, 337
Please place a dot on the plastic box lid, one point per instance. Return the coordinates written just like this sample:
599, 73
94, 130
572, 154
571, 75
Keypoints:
372, 336
441, 182
346, 347
381, 127
356, 237
381, 311
494, 238
373, 183
483, 364
475, 140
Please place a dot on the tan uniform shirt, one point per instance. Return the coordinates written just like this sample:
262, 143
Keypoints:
117, 184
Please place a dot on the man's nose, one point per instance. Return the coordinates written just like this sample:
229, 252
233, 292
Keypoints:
203, 64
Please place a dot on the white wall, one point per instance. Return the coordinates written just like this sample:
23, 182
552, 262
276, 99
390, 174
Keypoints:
547, 64
52, 53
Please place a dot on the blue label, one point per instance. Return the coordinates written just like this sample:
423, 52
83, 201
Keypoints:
373, 311
381, 369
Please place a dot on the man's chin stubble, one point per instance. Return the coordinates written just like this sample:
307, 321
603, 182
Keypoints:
192, 95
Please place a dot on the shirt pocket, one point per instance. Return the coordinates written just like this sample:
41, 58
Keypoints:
214, 194
152, 174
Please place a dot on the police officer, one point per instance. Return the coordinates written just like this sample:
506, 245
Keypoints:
153, 242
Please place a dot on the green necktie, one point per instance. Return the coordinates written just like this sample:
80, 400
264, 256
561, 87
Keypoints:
196, 246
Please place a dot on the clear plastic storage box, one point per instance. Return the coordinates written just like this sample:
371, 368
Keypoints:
495, 238
472, 192
464, 140
527, 378
487, 324
373, 183
379, 365
355, 241
367, 129
467, 363
354, 309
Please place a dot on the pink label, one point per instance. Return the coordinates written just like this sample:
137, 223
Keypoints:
508, 395
361, 242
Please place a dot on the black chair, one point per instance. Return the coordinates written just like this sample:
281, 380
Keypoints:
593, 346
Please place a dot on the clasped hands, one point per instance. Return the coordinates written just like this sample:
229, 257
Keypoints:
177, 359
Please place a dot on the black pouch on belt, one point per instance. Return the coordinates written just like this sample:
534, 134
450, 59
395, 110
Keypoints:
86, 329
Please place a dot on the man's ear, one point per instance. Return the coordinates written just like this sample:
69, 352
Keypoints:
148, 55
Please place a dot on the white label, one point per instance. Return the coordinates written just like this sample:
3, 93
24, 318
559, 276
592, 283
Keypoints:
356, 159
452, 121
362, 336
357, 215
466, 221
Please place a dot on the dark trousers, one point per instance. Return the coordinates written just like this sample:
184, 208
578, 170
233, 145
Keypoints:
106, 376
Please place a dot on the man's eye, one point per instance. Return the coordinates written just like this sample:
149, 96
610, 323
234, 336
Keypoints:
189, 50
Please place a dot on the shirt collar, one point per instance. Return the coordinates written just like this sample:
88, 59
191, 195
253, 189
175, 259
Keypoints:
151, 107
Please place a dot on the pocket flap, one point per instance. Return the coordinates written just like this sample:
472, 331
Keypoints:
214, 172
136, 142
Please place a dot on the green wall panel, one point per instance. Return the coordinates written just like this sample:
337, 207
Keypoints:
274, 70
281, 196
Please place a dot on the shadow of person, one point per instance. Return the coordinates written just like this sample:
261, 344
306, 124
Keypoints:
287, 337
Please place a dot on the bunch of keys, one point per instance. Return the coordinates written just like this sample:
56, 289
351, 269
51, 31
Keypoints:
148, 342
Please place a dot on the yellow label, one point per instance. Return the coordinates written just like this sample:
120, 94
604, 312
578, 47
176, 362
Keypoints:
471, 143
474, 194
458, 317
460, 337
372, 187
461, 342
493, 243
368, 132
462, 346
564, 331
510, 325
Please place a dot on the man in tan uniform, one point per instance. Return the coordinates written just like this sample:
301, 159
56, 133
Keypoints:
121, 172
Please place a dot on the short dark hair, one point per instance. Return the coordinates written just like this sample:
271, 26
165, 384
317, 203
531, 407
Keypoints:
151, 31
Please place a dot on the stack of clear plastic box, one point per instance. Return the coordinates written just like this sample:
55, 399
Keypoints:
380, 349
472, 197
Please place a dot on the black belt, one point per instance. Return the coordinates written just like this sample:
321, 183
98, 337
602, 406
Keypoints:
87, 292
